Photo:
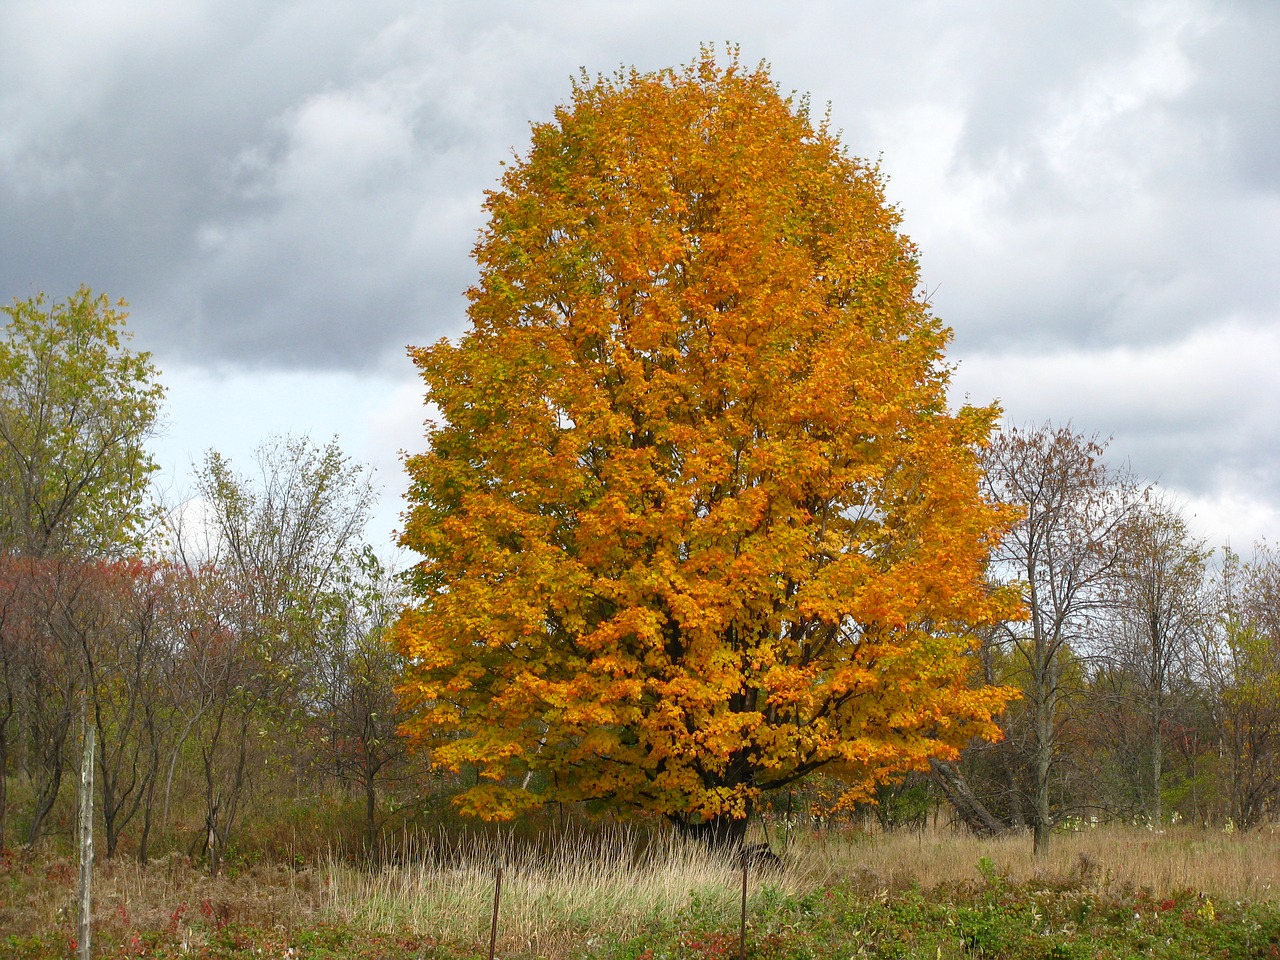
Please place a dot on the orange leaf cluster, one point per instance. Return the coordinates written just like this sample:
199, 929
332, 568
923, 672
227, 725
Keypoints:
695, 518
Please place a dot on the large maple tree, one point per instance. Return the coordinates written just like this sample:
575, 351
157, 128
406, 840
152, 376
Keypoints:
696, 519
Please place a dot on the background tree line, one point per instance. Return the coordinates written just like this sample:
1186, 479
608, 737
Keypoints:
228, 651
1147, 662
232, 657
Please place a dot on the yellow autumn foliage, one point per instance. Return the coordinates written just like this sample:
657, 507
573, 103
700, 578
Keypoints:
695, 519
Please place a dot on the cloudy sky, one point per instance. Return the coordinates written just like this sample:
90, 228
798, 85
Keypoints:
287, 194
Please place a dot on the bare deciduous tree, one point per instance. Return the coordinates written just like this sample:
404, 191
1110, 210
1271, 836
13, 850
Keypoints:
1242, 672
276, 544
1063, 552
1158, 615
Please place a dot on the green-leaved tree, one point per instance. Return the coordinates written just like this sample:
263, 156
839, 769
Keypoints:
76, 409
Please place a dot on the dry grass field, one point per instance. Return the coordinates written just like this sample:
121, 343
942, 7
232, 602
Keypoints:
548, 896
593, 890
1175, 859
584, 891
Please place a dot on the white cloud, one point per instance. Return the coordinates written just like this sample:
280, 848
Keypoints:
345, 142
1097, 139
1199, 414
1233, 517
1094, 187
235, 412
1165, 384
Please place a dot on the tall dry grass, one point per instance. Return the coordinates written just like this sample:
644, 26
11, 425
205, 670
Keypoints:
583, 886
594, 886
1237, 866
564, 890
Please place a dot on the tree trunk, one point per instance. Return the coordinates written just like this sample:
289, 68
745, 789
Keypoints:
85, 900
371, 817
144, 838
721, 833
4, 779
148, 803
1155, 813
966, 804
1042, 761
50, 764
45, 799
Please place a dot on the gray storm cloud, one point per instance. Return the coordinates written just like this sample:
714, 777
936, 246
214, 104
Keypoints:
1094, 187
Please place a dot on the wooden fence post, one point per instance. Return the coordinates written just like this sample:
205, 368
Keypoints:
86, 842
493, 927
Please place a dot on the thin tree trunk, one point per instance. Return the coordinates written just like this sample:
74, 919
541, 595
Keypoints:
148, 803
1156, 813
4, 780
86, 843
1042, 826
962, 798
371, 817
45, 800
